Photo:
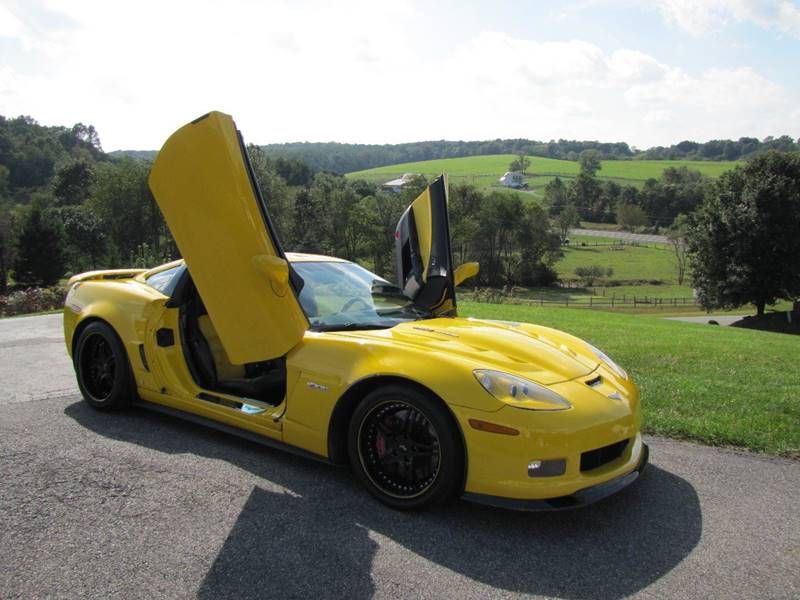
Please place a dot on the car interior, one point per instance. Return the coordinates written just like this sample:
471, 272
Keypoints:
208, 362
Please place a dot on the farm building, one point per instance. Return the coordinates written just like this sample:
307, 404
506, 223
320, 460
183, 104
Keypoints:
395, 185
513, 179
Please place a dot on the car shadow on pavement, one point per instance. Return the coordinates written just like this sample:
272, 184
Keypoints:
320, 536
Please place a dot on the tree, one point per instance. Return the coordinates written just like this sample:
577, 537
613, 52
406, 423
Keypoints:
7, 246
743, 241
382, 211
584, 193
589, 161
4, 181
40, 247
555, 195
307, 233
567, 219
87, 134
85, 238
413, 187
539, 247
520, 163
72, 182
677, 239
350, 224
630, 216
464, 206
274, 190
122, 200
499, 216
590, 273
604, 207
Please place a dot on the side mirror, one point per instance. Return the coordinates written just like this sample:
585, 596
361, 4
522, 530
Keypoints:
275, 269
465, 271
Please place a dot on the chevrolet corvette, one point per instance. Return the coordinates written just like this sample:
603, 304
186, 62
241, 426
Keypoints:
319, 356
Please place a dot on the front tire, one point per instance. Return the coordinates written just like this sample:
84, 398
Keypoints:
102, 368
405, 448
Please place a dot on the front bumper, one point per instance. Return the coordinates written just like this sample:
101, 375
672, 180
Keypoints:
580, 498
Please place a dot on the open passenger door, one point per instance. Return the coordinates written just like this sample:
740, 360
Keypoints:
204, 184
424, 258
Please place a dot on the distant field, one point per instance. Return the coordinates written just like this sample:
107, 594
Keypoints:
645, 263
484, 171
717, 385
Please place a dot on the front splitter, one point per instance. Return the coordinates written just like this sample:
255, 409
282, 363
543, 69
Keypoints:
580, 498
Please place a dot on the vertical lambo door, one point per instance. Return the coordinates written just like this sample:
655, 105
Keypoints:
204, 184
424, 258
243, 310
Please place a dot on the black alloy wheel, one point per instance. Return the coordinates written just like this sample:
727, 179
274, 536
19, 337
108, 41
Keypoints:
405, 448
102, 368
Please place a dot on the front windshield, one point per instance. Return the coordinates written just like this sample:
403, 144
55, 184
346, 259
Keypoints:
343, 295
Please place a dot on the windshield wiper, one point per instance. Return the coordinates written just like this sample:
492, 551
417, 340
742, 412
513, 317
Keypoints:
350, 327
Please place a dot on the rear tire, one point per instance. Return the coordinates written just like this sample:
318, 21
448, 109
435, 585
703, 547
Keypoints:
102, 368
405, 448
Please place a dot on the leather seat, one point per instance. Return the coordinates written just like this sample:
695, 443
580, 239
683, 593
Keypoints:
262, 381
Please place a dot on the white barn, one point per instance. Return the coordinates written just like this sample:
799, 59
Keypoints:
395, 185
512, 179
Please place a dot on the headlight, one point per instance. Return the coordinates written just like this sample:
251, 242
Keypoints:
519, 392
606, 359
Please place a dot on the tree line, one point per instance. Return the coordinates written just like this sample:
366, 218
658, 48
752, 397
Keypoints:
346, 158
679, 190
66, 206
354, 219
72, 207
744, 147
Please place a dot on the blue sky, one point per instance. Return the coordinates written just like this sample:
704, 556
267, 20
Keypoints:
648, 73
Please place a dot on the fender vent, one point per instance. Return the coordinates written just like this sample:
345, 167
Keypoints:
594, 459
143, 356
593, 382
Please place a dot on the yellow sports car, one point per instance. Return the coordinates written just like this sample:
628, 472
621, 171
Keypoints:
319, 356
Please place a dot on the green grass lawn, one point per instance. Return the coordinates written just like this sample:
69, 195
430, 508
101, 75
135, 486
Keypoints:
646, 262
485, 170
717, 385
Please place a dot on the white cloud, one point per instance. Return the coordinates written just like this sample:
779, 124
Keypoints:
10, 25
703, 16
573, 89
357, 71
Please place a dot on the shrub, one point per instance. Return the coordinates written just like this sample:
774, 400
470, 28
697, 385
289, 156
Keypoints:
589, 274
146, 257
32, 300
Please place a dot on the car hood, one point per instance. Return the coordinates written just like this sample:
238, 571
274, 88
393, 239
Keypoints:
538, 353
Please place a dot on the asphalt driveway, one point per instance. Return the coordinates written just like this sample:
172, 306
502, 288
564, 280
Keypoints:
141, 505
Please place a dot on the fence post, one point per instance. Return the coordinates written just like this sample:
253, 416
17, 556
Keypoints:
612, 301
590, 302
541, 300
634, 302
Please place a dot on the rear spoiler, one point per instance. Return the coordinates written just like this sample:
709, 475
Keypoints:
105, 275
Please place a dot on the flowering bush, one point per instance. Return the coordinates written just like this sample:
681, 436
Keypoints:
32, 300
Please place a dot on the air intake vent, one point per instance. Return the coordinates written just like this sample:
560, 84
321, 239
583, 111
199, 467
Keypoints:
593, 382
594, 459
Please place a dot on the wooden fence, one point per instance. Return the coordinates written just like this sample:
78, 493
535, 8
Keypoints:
612, 302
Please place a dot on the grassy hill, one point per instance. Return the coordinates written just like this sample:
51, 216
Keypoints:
484, 171
718, 385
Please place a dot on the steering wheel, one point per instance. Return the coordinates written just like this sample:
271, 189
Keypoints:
351, 302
